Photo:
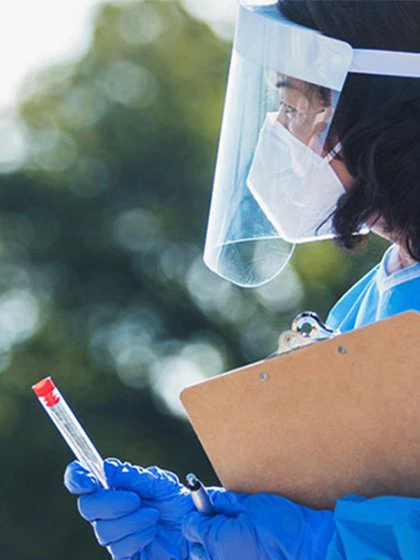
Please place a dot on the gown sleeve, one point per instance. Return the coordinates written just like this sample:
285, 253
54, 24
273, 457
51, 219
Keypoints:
385, 528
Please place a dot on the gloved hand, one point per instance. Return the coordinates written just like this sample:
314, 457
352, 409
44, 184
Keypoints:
258, 527
140, 518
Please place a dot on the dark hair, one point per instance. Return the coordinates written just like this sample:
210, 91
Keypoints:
377, 119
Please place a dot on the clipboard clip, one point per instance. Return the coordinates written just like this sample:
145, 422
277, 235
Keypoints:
306, 329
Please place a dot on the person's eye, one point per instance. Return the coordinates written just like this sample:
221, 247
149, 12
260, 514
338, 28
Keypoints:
288, 109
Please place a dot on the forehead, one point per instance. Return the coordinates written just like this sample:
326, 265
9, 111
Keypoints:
290, 83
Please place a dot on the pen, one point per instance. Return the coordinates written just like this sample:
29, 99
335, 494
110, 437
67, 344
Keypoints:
199, 495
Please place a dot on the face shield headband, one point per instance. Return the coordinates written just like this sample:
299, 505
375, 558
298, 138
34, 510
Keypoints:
274, 184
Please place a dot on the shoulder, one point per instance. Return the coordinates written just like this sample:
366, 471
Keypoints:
377, 296
350, 302
403, 294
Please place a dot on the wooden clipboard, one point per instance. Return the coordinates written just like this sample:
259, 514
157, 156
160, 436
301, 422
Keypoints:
335, 418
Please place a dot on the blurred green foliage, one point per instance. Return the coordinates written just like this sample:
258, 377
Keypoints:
101, 279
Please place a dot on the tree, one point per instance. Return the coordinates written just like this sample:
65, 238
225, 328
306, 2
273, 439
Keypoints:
102, 284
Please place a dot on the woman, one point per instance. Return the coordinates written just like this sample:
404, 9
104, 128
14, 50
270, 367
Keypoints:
377, 123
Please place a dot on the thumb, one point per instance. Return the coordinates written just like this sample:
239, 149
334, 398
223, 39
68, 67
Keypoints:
204, 530
125, 476
196, 526
227, 503
78, 480
149, 483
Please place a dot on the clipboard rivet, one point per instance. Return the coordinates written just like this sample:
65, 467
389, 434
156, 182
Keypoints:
342, 349
264, 376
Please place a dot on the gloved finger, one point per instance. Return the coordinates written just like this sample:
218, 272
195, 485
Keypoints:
151, 483
205, 530
108, 504
78, 480
227, 503
164, 545
131, 545
197, 552
125, 476
196, 527
109, 531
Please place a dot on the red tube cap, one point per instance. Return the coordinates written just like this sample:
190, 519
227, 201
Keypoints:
47, 391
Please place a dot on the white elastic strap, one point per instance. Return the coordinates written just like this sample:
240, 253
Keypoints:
386, 63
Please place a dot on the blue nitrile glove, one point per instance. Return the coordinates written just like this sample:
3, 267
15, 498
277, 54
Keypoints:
140, 518
258, 527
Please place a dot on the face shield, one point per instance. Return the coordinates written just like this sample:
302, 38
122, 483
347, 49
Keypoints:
274, 184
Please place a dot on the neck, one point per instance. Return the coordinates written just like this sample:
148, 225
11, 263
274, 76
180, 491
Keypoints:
400, 259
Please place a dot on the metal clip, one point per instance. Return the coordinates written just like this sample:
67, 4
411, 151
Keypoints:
306, 329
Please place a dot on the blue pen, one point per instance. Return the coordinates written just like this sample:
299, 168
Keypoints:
199, 495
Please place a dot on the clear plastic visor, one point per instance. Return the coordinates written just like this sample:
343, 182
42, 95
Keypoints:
272, 186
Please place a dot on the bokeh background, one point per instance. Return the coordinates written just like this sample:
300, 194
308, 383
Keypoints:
106, 166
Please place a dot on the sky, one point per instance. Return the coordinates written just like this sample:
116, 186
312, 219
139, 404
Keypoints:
37, 34
34, 34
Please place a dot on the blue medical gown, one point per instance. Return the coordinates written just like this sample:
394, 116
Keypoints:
381, 528
376, 296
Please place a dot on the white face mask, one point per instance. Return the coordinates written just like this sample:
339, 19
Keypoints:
296, 188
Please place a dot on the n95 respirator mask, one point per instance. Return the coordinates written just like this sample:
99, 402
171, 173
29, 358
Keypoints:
296, 188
